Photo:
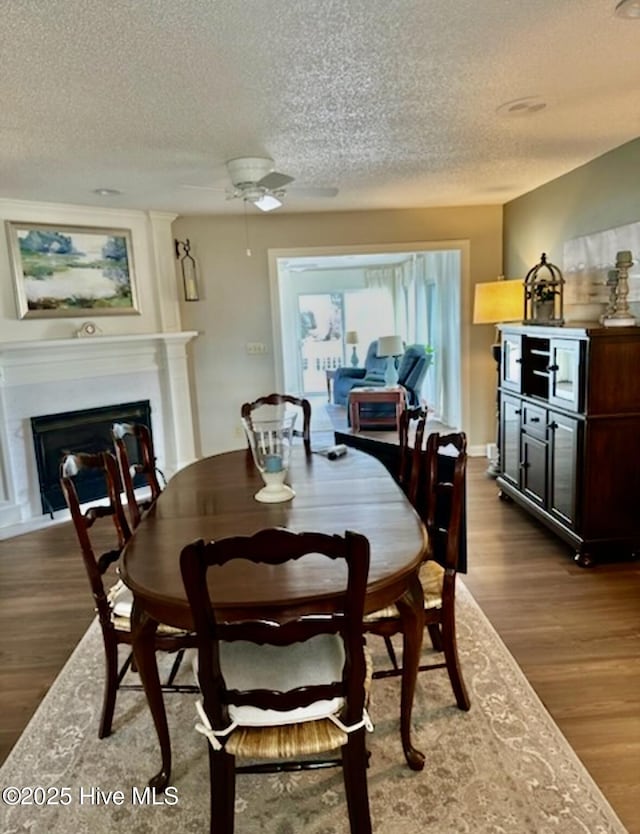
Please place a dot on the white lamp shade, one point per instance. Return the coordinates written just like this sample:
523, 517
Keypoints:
351, 337
390, 346
497, 301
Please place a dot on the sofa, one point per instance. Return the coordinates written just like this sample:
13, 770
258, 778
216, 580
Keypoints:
412, 368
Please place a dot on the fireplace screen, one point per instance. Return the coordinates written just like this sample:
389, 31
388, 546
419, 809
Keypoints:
81, 431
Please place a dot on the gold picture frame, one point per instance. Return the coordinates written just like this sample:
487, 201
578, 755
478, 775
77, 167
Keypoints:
69, 271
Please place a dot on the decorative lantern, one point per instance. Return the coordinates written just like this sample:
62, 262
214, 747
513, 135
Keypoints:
543, 294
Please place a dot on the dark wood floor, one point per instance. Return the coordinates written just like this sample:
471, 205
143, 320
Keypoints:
574, 631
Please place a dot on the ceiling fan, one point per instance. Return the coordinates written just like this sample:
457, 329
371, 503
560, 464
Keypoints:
255, 181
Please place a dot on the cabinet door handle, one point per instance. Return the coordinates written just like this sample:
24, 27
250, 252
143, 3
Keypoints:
524, 464
518, 411
553, 368
553, 426
518, 361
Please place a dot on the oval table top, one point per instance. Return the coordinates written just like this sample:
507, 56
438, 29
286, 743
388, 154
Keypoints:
214, 498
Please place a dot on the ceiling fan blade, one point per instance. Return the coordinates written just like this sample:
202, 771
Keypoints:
274, 180
314, 191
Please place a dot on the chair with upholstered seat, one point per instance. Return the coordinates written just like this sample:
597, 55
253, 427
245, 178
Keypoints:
441, 505
279, 400
281, 691
113, 606
134, 440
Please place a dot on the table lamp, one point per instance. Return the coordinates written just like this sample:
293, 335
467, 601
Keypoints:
351, 338
495, 302
390, 347
498, 301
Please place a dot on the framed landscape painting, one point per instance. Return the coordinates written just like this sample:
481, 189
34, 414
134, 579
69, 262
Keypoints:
71, 270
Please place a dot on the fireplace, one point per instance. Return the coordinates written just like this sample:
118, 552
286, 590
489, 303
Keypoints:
59, 376
87, 430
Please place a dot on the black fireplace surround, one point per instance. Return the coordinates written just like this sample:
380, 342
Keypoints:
89, 430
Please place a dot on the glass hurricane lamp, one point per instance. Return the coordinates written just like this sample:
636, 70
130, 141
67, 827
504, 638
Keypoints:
270, 442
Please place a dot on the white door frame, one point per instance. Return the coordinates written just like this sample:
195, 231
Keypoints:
462, 246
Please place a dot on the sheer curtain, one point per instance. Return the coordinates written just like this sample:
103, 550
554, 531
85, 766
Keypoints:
392, 280
424, 292
442, 312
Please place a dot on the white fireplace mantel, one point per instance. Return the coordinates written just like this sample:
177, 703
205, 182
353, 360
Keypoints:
34, 358
61, 375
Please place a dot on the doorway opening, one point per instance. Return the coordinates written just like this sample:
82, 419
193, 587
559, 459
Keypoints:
331, 304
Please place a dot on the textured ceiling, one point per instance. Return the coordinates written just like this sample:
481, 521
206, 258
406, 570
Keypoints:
394, 102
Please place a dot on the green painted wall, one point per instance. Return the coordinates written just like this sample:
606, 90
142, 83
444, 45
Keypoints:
602, 194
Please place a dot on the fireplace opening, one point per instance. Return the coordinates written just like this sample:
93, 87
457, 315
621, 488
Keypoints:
88, 430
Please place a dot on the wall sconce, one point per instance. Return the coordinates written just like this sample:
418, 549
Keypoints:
188, 268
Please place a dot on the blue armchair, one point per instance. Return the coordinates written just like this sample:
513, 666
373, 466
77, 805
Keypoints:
412, 369
372, 375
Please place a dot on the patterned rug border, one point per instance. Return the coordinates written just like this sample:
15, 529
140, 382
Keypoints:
598, 817
461, 588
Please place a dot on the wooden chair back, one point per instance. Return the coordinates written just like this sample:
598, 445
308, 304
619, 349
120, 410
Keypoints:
410, 456
284, 399
115, 625
445, 461
441, 504
127, 434
274, 547
72, 467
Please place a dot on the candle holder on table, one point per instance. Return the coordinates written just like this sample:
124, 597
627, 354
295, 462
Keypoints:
270, 442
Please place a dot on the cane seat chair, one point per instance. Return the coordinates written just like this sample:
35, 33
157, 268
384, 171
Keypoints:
280, 400
442, 485
131, 435
113, 606
281, 692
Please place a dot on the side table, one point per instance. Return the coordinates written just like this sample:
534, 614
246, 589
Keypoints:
359, 396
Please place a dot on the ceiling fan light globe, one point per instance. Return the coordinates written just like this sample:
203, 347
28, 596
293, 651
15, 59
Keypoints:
268, 202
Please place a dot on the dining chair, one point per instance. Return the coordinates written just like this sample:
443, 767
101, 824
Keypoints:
443, 479
113, 606
410, 455
281, 692
137, 437
284, 399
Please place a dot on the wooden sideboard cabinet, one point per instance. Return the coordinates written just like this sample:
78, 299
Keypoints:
570, 433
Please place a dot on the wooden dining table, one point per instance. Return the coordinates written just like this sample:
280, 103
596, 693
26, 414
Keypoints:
214, 497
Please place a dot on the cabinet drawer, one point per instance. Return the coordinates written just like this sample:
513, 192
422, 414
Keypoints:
534, 420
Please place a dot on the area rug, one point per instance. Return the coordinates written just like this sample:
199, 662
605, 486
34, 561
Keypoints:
502, 768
